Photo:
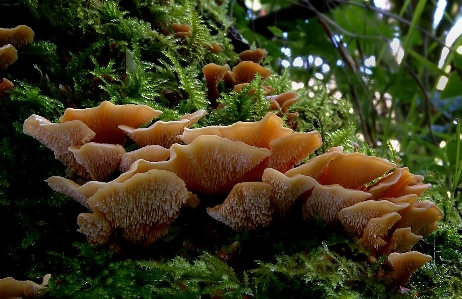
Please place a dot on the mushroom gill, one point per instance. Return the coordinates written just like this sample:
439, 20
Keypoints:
248, 206
152, 153
405, 264
100, 160
59, 137
209, 165
142, 207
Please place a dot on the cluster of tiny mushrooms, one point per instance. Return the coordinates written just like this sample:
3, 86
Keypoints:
253, 164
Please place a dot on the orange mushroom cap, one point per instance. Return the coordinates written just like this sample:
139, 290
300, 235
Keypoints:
193, 117
256, 55
12, 288
8, 55
209, 165
152, 153
245, 72
405, 264
402, 240
328, 201
356, 217
18, 36
75, 191
421, 218
143, 206
100, 160
159, 133
214, 48
214, 73
59, 137
5, 86
314, 166
247, 206
259, 133
105, 119
376, 230
286, 190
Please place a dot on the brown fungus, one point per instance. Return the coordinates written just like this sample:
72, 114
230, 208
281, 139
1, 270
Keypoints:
248, 206
8, 55
5, 87
151, 153
18, 36
256, 55
214, 73
405, 264
245, 72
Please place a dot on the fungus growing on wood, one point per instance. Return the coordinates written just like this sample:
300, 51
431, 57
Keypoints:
328, 201
80, 193
18, 36
286, 190
356, 217
100, 160
5, 87
245, 72
214, 73
259, 133
142, 207
152, 153
12, 288
248, 206
8, 55
59, 137
159, 133
291, 149
105, 119
405, 264
377, 230
256, 55
402, 240
209, 165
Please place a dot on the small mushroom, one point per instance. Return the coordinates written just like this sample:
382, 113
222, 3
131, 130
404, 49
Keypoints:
214, 73
376, 231
245, 72
5, 87
256, 55
8, 55
248, 206
402, 240
405, 264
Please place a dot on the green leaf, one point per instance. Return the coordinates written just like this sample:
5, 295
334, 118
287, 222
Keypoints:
276, 31
453, 87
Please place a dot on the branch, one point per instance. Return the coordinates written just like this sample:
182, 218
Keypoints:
302, 9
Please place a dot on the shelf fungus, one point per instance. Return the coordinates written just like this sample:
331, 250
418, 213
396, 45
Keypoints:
11, 288
8, 55
248, 206
209, 165
405, 264
59, 137
256, 55
18, 36
100, 160
105, 119
151, 153
142, 208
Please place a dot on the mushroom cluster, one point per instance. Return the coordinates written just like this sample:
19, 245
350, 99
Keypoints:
10, 40
250, 164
